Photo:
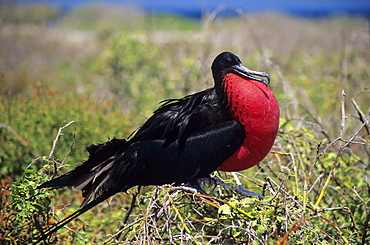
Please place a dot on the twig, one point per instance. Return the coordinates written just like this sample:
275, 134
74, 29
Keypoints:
340, 151
295, 168
330, 144
70, 149
317, 122
314, 183
280, 189
59, 134
57, 138
132, 205
74, 231
358, 196
346, 209
340, 233
127, 215
350, 141
363, 118
343, 114
122, 229
37, 159
237, 181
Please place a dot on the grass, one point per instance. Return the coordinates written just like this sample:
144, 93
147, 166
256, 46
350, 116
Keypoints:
107, 77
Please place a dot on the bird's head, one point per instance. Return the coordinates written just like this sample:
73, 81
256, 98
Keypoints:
227, 62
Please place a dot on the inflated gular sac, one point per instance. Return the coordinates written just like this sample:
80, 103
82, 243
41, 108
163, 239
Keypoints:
255, 106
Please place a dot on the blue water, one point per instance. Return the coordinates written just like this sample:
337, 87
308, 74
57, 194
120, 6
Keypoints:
195, 8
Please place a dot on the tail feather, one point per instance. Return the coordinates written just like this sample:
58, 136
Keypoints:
60, 182
101, 152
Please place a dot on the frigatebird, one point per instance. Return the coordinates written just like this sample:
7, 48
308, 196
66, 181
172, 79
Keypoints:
229, 127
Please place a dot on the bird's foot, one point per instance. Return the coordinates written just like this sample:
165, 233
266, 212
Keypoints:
239, 189
194, 184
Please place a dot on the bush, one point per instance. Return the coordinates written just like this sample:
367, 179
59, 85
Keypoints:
24, 209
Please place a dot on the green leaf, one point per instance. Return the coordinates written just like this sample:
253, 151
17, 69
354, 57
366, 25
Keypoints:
224, 209
38, 206
31, 190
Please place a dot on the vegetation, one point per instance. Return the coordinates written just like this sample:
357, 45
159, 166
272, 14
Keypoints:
79, 82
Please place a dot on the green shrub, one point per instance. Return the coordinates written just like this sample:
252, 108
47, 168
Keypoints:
24, 209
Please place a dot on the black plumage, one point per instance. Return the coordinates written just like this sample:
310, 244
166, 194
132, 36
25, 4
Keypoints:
183, 140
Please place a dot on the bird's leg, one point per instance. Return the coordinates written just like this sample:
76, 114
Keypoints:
195, 184
238, 189
210, 180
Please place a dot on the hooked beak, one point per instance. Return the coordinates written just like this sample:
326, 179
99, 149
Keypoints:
247, 73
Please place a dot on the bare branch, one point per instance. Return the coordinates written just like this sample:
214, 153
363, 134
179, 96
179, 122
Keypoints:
364, 119
343, 113
10, 129
70, 149
57, 138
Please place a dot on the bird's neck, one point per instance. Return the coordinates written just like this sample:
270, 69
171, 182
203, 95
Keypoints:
221, 92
